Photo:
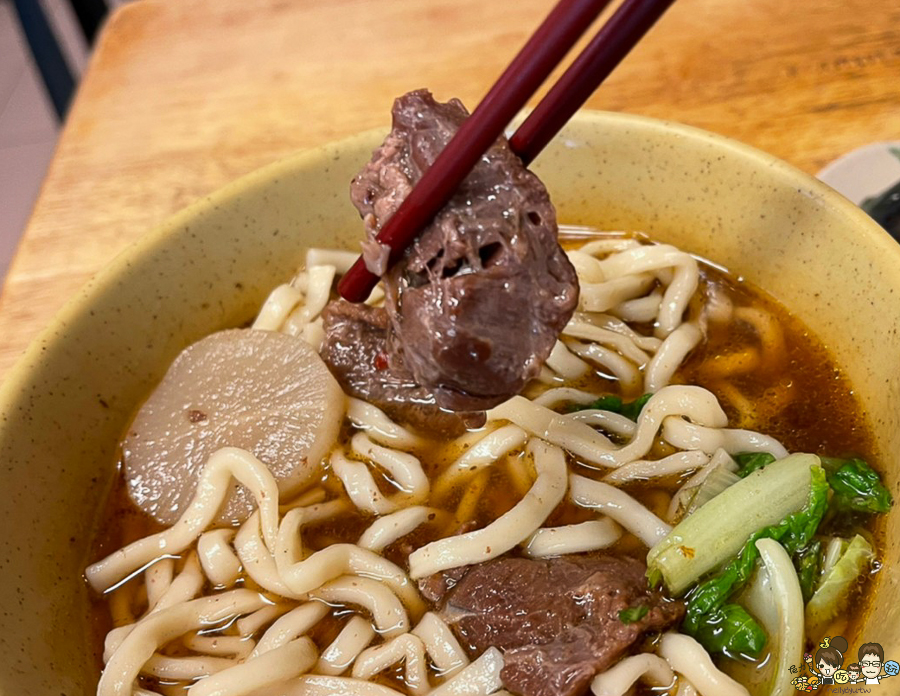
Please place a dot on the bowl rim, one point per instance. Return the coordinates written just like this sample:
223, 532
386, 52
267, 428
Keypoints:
876, 237
14, 390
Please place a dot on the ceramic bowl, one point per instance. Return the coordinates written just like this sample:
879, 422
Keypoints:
209, 267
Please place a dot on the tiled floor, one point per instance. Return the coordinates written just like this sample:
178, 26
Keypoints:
28, 124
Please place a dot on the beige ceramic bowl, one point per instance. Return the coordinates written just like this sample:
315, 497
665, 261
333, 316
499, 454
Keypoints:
211, 266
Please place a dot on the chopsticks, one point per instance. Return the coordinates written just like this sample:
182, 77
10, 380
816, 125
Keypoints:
532, 65
605, 51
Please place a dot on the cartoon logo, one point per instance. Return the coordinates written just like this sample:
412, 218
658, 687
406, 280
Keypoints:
829, 659
827, 666
871, 660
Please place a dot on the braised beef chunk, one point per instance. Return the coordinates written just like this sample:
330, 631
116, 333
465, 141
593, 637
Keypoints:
556, 620
434, 587
355, 350
478, 301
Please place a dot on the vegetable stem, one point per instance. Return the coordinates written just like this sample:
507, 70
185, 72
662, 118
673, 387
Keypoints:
794, 533
718, 530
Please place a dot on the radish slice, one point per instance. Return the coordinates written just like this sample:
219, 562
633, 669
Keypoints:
265, 392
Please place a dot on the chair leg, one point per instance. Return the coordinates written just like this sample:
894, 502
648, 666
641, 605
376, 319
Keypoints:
47, 54
90, 15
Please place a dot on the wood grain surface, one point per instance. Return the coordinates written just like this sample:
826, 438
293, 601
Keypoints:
181, 97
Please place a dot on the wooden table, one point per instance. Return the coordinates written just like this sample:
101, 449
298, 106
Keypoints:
184, 96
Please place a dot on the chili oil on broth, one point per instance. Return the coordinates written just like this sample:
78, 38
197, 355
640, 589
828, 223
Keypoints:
793, 392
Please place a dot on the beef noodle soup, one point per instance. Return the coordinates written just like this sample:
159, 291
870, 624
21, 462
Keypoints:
560, 543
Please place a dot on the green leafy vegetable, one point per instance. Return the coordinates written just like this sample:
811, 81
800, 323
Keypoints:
730, 629
799, 528
704, 485
794, 532
633, 614
834, 549
748, 462
856, 486
717, 481
836, 583
717, 531
808, 562
633, 409
726, 627
629, 409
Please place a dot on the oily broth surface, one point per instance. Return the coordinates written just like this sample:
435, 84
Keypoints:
805, 402
820, 415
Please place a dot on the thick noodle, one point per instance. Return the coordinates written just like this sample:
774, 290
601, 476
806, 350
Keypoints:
276, 665
341, 558
506, 531
354, 637
686, 656
618, 680
157, 629
212, 487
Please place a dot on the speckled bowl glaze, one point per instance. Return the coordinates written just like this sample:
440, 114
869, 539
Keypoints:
210, 267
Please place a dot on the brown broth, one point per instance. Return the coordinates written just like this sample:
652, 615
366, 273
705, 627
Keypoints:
121, 523
822, 417
801, 399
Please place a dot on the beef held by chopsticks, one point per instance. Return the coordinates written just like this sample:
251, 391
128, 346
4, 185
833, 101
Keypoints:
355, 350
477, 302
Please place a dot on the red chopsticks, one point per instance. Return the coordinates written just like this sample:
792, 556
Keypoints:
540, 55
607, 49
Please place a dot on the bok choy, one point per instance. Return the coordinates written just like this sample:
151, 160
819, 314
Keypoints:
713, 551
784, 501
794, 532
718, 530
836, 583
748, 462
856, 485
704, 485
808, 562
718, 480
